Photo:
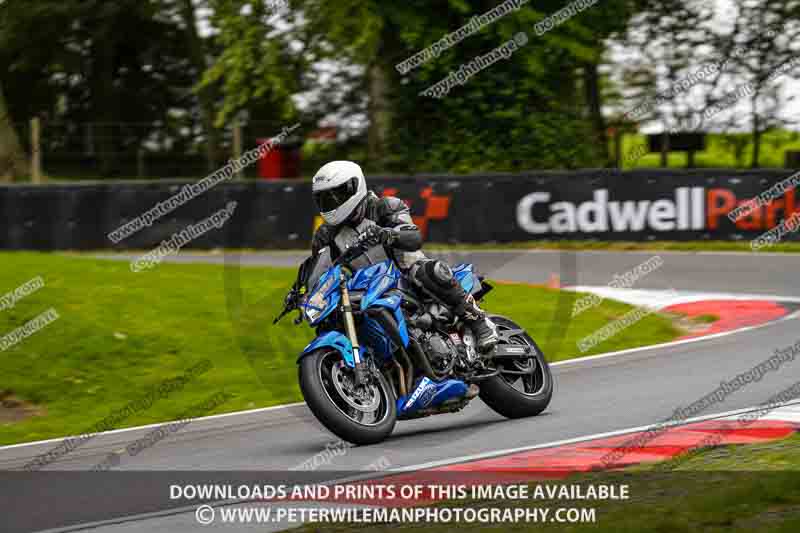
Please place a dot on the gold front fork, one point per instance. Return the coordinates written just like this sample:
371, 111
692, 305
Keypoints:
349, 322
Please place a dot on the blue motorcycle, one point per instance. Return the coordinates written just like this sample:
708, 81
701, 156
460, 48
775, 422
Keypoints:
386, 350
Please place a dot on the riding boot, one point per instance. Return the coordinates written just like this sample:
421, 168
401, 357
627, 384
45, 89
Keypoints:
438, 278
475, 317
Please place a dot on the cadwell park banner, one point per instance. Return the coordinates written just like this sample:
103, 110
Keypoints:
603, 205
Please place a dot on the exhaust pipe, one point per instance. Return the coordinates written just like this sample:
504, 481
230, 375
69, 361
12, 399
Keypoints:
389, 325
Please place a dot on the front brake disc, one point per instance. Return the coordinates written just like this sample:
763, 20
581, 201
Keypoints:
366, 402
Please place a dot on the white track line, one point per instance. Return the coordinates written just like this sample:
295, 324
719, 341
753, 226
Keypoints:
157, 424
790, 417
793, 409
670, 344
569, 362
660, 298
651, 251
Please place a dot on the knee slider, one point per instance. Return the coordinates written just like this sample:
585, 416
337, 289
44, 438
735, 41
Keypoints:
439, 273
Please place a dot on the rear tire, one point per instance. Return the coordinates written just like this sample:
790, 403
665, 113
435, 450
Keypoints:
345, 415
500, 393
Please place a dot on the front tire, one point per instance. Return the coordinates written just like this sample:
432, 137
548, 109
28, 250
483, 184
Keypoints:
515, 395
361, 417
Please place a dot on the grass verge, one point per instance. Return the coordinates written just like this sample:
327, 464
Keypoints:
122, 334
677, 246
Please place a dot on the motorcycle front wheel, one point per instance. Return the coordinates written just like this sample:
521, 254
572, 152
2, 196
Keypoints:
366, 415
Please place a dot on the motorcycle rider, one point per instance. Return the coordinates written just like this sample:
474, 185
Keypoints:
351, 213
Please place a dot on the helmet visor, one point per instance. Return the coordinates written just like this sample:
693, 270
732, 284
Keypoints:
331, 199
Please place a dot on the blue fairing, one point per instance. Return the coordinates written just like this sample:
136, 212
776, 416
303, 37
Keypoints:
336, 340
374, 281
429, 393
365, 277
401, 326
393, 304
372, 334
332, 294
465, 274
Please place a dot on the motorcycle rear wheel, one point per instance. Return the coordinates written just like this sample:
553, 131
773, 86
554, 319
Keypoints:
502, 392
366, 416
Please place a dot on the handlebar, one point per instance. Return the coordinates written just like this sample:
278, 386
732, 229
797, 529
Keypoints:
289, 304
364, 242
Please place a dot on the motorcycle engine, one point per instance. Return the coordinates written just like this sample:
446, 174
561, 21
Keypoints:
440, 350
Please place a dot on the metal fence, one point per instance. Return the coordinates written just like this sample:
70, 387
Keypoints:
140, 150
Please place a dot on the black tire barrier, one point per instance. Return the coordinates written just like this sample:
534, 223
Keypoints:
590, 204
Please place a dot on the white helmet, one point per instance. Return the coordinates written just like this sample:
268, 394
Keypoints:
338, 187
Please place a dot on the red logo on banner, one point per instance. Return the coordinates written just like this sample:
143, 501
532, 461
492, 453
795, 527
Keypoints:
721, 201
437, 207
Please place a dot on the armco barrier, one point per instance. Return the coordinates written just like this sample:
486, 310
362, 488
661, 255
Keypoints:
605, 205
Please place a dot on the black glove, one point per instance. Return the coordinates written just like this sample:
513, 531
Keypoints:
375, 235
290, 302
386, 235
367, 237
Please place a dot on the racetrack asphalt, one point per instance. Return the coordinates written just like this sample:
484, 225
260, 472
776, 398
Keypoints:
592, 396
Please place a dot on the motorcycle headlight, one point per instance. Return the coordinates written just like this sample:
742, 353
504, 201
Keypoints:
318, 301
312, 314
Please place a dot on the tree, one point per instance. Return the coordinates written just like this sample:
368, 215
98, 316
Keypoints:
30, 42
198, 54
541, 108
604, 21
255, 64
364, 33
767, 32
13, 160
526, 111
107, 77
660, 79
